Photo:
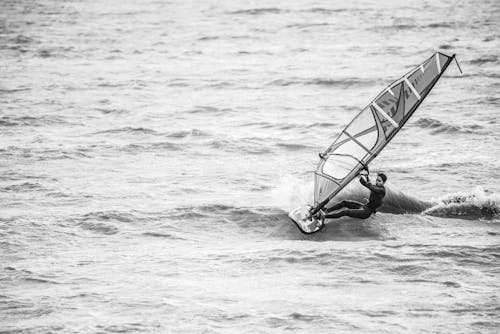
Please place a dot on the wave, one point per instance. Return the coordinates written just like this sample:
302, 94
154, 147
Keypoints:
440, 127
162, 235
326, 10
274, 222
244, 37
462, 253
130, 130
208, 110
112, 110
245, 52
399, 26
445, 46
24, 187
187, 133
258, 11
478, 204
440, 25
484, 60
178, 83
21, 39
103, 222
14, 90
44, 154
151, 147
307, 25
17, 176
249, 146
342, 83
322, 125
242, 216
416, 26
111, 85
273, 10
346, 82
8, 121
282, 125
492, 100
110, 216
39, 280
28, 276
209, 38
294, 147
45, 53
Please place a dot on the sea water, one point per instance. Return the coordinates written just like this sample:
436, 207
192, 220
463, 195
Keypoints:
151, 150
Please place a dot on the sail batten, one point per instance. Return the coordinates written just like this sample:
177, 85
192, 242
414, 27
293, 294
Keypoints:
357, 142
438, 62
414, 91
373, 128
387, 117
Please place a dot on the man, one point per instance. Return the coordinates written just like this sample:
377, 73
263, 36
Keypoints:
355, 209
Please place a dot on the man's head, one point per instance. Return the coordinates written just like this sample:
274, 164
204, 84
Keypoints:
381, 178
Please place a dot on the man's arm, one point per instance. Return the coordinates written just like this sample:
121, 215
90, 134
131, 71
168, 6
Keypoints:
366, 182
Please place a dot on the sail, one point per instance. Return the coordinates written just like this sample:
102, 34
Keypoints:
372, 128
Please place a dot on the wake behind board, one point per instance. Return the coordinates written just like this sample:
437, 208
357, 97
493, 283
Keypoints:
305, 225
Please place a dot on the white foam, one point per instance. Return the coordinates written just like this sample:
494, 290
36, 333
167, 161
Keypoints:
478, 202
292, 192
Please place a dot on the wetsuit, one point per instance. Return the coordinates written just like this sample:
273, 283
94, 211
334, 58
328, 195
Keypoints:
358, 210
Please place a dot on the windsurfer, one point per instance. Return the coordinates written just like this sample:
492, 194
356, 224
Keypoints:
356, 209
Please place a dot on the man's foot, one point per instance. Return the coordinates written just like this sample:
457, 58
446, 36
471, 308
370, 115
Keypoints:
321, 216
309, 212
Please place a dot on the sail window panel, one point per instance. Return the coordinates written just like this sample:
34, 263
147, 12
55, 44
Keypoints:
351, 148
340, 139
345, 158
421, 81
323, 188
410, 100
426, 64
387, 126
389, 103
339, 166
363, 121
368, 140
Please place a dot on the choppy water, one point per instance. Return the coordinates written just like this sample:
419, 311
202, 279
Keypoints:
150, 151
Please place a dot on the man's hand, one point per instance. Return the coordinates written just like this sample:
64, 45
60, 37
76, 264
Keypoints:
363, 172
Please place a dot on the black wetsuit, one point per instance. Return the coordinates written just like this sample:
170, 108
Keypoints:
358, 210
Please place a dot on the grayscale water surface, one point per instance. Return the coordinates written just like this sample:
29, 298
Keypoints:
150, 152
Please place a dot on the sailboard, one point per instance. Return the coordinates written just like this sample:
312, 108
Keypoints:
367, 135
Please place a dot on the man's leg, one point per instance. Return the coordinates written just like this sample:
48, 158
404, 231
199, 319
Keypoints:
344, 204
362, 213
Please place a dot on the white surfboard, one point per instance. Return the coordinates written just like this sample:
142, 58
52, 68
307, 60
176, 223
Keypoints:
305, 224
